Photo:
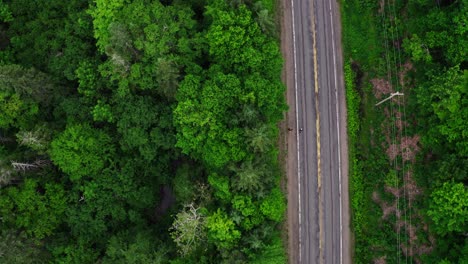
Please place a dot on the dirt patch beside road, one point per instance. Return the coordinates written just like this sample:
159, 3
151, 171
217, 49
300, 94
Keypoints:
288, 136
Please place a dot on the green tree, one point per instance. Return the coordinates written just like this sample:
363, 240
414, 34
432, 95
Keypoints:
39, 214
5, 13
248, 178
76, 251
109, 202
221, 186
261, 139
25, 96
249, 115
442, 30
274, 205
446, 101
52, 37
237, 44
15, 247
139, 247
15, 112
183, 184
27, 83
148, 44
204, 129
222, 230
104, 13
81, 151
449, 208
252, 177
145, 135
168, 77
251, 215
265, 20
418, 50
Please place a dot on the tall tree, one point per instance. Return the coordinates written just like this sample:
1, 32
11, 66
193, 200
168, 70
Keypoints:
221, 230
445, 98
39, 214
205, 131
82, 151
449, 208
15, 247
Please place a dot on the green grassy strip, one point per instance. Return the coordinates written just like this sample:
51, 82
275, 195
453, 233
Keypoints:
352, 101
275, 252
355, 172
361, 47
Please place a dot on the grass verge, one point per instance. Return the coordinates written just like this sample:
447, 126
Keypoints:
363, 54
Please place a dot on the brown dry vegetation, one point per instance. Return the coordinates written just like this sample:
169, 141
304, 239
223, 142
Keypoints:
401, 149
380, 260
381, 87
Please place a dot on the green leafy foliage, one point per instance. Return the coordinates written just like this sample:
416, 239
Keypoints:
136, 248
120, 101
81, 151
205, 129
221, 230
146, 135
15, 247
15, 112
249, 211
38, 214
27, 83
220, 184
103, 14
355, 171
25, 94
5, 13
446, 102
42, 35
274, 205
250, 178
432, 35
234, 35
74, 252
417, 50
184, 188
449, 208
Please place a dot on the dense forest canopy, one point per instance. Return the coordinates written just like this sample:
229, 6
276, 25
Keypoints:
442, 112
140, 131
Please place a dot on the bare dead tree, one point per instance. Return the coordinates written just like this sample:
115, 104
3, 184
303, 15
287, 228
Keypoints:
42, 163
187, 231
5, 139
23, 167
5, 176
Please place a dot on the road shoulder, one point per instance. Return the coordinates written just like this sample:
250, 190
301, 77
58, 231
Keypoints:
289, 136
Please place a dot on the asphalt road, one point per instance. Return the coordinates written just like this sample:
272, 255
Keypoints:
320, 134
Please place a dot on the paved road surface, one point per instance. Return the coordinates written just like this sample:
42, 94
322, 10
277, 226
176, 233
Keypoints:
322, 216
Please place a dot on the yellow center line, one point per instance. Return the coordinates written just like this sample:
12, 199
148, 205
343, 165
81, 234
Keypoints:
317, 127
